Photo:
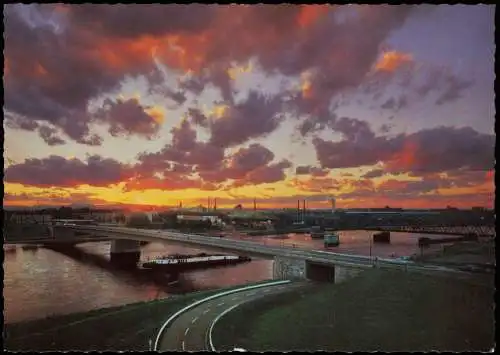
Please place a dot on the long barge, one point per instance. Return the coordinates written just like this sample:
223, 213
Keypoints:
180, 262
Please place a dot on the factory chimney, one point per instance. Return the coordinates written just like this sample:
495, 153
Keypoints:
298, 210
303, 209
332, 200
254, 205
215, 204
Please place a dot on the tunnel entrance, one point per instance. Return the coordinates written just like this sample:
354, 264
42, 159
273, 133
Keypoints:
320, 272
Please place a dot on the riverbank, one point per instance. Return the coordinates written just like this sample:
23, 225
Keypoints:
472, 255
128, 327
384, 310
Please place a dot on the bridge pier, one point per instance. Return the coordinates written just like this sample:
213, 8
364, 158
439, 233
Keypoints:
125, 252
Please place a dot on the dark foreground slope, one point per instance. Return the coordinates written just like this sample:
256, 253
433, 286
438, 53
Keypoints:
379, 310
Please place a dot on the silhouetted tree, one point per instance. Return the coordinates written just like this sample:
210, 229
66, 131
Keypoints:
138, 220
64, 213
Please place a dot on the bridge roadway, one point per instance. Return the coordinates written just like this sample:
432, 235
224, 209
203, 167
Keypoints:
248, 247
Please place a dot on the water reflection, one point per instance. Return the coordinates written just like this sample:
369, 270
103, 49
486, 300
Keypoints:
46, 282
42, 282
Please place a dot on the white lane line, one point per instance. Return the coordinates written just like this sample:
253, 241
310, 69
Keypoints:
186, 331
251, 293
183, 346
234, 298
209, 298
206, 311
220, 304
194, 320
211, 329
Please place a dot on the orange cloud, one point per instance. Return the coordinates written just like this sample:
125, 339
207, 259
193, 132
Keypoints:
233, 72
40, 70
121, 55
309, 14
157, 113
406, 158
306, 85
393, 60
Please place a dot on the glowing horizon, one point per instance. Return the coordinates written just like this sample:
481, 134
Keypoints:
363, 103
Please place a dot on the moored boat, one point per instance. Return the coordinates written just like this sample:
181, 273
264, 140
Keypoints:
317, 232
331, 239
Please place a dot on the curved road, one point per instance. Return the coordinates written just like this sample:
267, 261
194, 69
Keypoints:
189, 332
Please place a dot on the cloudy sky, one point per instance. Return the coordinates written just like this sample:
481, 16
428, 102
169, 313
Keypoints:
150, 105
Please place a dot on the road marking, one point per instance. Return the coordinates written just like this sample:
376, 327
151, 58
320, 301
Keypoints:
186, 331
251, 293
221, 304
234, 298
206, 311
194, 320
209, 298
210, 330
183, 346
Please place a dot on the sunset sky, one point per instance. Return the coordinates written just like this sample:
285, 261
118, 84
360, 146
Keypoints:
148, 105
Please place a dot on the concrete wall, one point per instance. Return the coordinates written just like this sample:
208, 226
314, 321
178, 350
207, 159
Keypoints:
288, 269
343, 273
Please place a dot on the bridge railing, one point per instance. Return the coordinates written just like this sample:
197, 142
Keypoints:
246, 246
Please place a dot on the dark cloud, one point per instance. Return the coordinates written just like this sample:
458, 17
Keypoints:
126, 117
454, 89
49, 135
447, 86
58, 171
255, 117
142, 20
312, 170
373, 174
70, 68
197, 117
395, 104
265, 174
251, 158
185, 149
248, 166
432, 150
88, 50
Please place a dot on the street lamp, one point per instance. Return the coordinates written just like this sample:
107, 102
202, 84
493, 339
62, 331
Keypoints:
371, 242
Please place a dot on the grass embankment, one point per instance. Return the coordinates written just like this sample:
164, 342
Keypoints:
482, 252
127, 327
381, 310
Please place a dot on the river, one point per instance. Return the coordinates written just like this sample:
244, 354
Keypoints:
41, 282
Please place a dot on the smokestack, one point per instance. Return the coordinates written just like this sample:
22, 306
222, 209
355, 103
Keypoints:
303, 209
298, 210
254, 205
208, 203
215, 204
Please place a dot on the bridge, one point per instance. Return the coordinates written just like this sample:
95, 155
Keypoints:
479, 230
289, 262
